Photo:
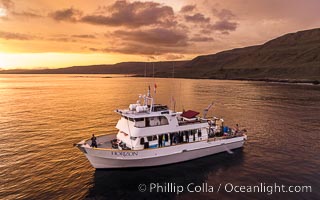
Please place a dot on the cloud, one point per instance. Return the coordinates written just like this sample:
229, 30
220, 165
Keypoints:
275, 9
61, 39
135, 14
152, 41
69, 14
87, 36
26, 14
225, 25
197, 18
14, 36
188, 8
9, 7
155, 36
224, 14
131, 48
137, 49
199, 38
141, 49
8, 4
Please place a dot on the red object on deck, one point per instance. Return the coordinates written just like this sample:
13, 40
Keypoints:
189, 114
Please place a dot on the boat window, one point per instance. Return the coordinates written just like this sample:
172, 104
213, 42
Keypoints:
157, 108
155, 121
147, 122
199, 132
149, 138
163, 120
154, 137
142, 141
139, 119
131, 119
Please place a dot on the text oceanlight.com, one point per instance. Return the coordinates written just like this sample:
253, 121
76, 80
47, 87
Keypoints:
268, 189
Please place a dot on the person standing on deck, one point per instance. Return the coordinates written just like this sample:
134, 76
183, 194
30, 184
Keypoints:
94, 141
187, 136
160, 141
237, 129
171, 138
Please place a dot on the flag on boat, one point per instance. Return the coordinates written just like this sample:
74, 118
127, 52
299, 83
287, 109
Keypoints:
172, 99
155, 88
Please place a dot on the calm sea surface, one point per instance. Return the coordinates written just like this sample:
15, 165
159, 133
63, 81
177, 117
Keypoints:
41, 116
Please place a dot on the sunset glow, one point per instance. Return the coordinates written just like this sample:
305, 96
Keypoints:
55, 60
52, 34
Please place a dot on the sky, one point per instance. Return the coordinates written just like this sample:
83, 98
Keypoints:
54, 34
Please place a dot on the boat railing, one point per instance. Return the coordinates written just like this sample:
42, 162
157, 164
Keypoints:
233, 135
197, 121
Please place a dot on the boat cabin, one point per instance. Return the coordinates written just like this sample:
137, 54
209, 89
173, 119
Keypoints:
157, 126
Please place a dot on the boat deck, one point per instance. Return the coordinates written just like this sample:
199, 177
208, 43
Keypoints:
182, 123
106, 145
104, 141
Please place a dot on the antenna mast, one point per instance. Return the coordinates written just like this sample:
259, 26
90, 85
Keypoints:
154, 85
205, 111
172, 98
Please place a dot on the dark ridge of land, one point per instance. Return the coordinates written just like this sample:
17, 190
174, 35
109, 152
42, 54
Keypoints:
293, 58
136, 68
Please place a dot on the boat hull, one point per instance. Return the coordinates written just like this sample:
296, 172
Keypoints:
102, 159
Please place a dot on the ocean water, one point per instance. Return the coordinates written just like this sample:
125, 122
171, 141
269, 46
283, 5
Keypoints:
42, 116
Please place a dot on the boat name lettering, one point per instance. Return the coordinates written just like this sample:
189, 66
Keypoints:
125, 153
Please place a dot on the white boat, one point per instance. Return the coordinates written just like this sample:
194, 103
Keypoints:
152, 135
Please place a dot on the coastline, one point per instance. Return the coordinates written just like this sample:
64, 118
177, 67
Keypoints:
268, 80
